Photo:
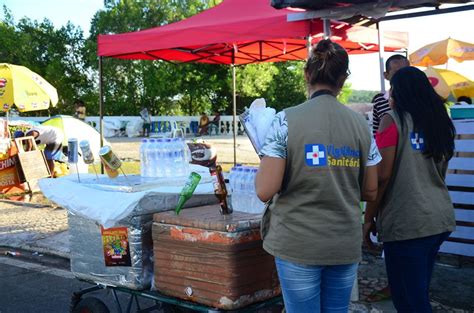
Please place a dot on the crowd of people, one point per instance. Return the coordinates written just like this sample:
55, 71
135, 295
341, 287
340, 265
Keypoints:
320, 160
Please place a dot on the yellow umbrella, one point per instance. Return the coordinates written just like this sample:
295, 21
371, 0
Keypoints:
438, 53
24, 88
447, 82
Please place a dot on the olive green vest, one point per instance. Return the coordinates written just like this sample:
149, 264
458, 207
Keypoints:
316, 219
416, 202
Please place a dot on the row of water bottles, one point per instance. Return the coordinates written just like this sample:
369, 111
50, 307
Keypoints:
168, 157
244, 196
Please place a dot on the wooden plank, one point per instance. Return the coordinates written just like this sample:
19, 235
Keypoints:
464, 127
460, 180
461, 164
463, 232
464, 145
462, 197
457, 248
464, 215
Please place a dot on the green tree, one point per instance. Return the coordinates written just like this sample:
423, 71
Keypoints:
362, 96
55, 54
162, 87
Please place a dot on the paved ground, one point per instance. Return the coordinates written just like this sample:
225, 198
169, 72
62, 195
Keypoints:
42, 230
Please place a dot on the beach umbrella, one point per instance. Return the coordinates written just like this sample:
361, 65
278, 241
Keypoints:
439, 52
75, 128
25, 89
447, 83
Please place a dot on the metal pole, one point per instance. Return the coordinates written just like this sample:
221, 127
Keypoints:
234, 112
327, 28
308, 45
381, 50
101, 109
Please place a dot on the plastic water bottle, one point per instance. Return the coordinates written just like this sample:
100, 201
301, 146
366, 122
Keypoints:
143, 158
232, 178
151, 159
236, 194
168, 166
157, 152
245, 184
186, 156
178, 156
257, 204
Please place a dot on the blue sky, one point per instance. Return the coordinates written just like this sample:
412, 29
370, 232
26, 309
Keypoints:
364, 69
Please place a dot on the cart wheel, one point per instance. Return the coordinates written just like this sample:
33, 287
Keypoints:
90, 305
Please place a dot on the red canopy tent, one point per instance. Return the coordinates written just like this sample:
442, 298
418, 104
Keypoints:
238, 32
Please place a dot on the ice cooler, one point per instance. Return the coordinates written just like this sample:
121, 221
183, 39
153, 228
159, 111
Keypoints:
205, 257
87, 247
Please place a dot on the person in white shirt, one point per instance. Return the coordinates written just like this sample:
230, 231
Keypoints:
49, 136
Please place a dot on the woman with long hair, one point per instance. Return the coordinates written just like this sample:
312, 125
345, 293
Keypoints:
318, 163
413, 213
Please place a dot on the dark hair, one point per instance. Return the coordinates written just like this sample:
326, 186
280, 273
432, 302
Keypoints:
465, 99
393, 58
79, 102
413, 94
327, 64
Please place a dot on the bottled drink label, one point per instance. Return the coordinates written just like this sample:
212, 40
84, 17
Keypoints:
72, 151
87, 155
109, 158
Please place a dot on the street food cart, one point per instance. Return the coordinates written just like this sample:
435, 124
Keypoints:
122, 240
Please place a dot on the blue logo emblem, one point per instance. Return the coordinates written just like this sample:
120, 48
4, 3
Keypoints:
315, 155
417, 141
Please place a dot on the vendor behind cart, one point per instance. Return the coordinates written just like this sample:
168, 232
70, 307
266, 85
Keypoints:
50, 136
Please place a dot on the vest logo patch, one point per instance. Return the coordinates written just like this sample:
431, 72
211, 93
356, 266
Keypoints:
417, 141
315, 155
331, 155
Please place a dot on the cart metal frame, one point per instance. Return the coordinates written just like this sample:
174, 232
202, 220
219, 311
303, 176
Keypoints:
162, 301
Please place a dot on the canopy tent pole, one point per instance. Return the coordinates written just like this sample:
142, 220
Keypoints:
234, 113
101, 109
327, 28
381, 51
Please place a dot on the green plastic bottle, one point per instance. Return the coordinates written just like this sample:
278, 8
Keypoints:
187, 191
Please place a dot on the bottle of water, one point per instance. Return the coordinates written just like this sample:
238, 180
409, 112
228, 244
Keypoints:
232, 178
245, 188
151, 159
143, 158
168, 166
257, 204
236, 193
158, 153
178, 156
186, 156
231, 185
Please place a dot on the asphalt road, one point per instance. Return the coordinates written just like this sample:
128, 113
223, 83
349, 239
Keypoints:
31, 287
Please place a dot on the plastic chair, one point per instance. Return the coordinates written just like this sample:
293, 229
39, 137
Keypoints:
194, 126
213, 127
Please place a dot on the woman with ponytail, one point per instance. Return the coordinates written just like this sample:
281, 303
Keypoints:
413, 213
318, 162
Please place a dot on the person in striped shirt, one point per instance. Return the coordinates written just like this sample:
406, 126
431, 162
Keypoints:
380, 100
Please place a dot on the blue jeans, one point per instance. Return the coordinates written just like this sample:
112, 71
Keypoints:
314, 288
409, 267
